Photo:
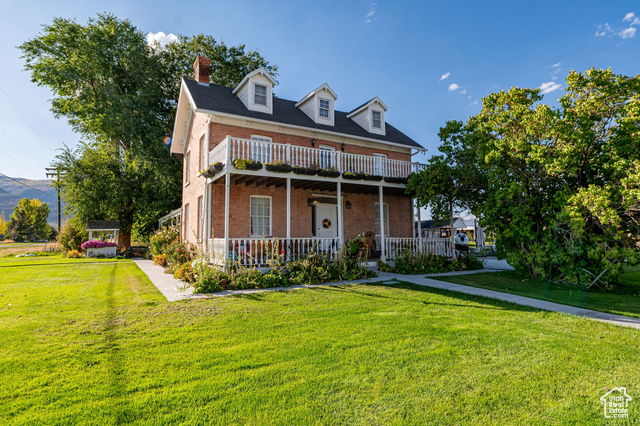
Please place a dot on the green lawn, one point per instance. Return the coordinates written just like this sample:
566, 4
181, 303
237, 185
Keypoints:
623, 300
97, 343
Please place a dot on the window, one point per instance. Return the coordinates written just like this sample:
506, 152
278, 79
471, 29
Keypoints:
260, 95
260, 215
379, 164
200, 217
326, 154
386, 219
186, 222
376, 119
187, 168
324, 108
261, 150
203, 153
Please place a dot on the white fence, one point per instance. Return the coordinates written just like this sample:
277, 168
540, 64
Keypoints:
439, 246
232, 148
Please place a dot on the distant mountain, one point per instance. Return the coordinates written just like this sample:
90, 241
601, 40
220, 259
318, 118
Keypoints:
12, 192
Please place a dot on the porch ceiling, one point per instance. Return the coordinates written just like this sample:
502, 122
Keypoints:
313, 185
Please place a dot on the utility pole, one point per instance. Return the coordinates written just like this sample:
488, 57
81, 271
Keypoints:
57, 181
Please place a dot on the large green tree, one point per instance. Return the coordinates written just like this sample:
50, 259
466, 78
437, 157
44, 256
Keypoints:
29, 220
119, 93
559, 187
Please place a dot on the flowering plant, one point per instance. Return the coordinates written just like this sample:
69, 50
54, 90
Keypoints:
96, 244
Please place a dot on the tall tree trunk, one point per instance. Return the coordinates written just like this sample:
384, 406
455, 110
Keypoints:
124, 236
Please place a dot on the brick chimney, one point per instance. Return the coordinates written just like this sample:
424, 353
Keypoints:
202, 69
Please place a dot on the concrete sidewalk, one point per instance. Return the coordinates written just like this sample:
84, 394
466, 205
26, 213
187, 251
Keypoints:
169, 287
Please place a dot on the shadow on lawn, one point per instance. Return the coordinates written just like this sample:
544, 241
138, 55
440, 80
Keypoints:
494, 304
115, 368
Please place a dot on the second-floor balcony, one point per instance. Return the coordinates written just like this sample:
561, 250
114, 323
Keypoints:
231, 149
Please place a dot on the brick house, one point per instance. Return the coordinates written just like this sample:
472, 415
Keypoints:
345, 165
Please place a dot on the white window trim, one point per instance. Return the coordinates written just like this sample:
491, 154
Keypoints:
329, 109
266, 95
328, 148
373, 126
383, 164
187, 171
200, 232
268, 154
270, 215
186, 222
386, 218
203, 153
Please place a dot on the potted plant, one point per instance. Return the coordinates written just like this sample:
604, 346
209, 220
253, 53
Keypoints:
329, 172
278, 166
307, 171
373, 178
353, 176
247, 164
390, 179
213, 170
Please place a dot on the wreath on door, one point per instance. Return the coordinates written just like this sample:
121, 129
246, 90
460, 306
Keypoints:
326, 224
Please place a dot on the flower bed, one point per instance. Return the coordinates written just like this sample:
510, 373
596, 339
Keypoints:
96, 244
99, 248
242, 164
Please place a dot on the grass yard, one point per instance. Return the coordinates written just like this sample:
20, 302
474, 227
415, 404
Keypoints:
623, 300
97, 343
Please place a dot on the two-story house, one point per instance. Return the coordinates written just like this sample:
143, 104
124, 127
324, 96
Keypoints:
316, 176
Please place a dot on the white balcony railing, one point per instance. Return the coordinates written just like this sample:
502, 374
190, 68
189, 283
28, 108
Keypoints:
259, 251
232, 148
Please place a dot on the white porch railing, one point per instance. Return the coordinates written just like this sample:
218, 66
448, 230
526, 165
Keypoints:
259, 251
232, 148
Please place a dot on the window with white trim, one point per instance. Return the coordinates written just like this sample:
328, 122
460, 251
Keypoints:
376, 119
187, 168
260, 94
203, 153
200, 217
260, 215
186, 222
326, 154
325, 107
376, 207
379, 164
261, 150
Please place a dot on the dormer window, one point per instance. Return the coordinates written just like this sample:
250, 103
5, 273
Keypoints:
324, 108
376, 120
260, 94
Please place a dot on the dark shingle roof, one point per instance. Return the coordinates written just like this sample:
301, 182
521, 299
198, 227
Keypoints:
97, 225
221, 99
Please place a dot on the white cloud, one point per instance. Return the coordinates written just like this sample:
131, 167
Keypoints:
556, 65
600, 34
628, 33
161, 38
549, 87
629, 17
453, 87
474, 103
464, 91
445, 76
372, 11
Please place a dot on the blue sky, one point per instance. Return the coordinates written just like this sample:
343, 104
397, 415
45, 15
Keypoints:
428, 61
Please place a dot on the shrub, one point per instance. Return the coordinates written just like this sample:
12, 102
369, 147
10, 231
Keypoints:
72, 236
74, 254
160, 259
179, 253
410, 263
163, 238
184, 272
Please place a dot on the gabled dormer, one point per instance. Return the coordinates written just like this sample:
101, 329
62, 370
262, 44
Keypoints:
319, 105
370, 116
256, 91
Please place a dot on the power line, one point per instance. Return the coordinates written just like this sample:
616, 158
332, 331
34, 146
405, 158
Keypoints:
22, 183
23, 136
25, 118
28, 167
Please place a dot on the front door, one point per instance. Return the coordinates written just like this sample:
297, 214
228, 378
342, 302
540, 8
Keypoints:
326, 221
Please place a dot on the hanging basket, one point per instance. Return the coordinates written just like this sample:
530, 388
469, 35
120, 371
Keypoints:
305, 171
278, 168
372, 178
242, 164
329, 173
402, 180
353, 176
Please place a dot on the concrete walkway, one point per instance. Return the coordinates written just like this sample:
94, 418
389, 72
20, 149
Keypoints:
169, 287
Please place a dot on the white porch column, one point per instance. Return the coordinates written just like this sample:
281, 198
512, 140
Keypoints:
207, 217
340, 224
227, 185
383, 255
288, 217
419, 228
